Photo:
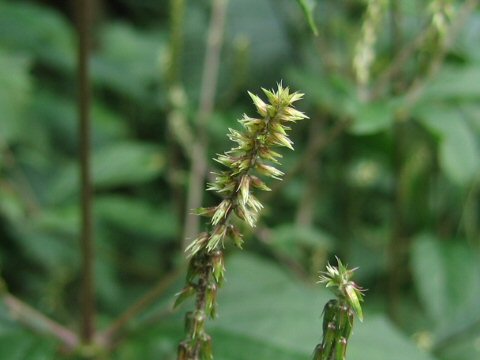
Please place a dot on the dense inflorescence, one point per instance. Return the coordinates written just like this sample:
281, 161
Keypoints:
338, 314
245, 164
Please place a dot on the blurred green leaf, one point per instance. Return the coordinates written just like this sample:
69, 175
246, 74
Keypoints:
129, 61
430, 276
52, 251
454, 82
257, 22
116, 164
335, 93
15, 92
307, 8
459, 148
447, 278
138, 217
37, 31
22, 345
292, 238
126, 163
58, 116
373, 117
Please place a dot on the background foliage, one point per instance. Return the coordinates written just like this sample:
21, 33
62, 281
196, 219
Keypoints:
389, 182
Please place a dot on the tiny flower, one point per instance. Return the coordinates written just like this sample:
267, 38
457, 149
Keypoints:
217, 237
198, 244
221, 211
218, 266
236, 235
211, 303
259, 184
259, 104
269, 170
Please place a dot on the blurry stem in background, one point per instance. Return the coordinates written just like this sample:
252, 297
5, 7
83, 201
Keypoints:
312, 152
470, 214
240, 75
306, 208
264, 235
397, 65
406, 53
418, 87
84, 11
108, 336
398, 248
399, 242
38, 322
22, 184
468, 330
207, 100
177, 104
397, 245
177, 14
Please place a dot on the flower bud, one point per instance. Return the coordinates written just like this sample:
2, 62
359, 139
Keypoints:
211, 300
218, 266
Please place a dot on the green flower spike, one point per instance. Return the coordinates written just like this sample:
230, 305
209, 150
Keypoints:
338, 313
243, 166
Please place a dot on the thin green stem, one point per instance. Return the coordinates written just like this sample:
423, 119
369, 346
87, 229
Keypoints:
84, 103
108, 336
177, 103
207, 101
38, 322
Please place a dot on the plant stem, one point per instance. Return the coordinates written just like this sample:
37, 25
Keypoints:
313, 151
418, 87
176, 112
398, 239
207, 100
84, 100
38, 322
306, 208
108, 336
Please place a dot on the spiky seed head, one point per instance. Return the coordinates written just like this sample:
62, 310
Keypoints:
339, 278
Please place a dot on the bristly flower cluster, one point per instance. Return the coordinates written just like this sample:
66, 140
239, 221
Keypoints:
251, 158
338, 313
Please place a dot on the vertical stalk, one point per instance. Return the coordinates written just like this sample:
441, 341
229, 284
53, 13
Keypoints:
176, 104
397, 245
306, 209
84, 8
207, 100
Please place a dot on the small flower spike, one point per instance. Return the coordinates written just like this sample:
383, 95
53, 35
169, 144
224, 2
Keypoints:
338, 314
251, 158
